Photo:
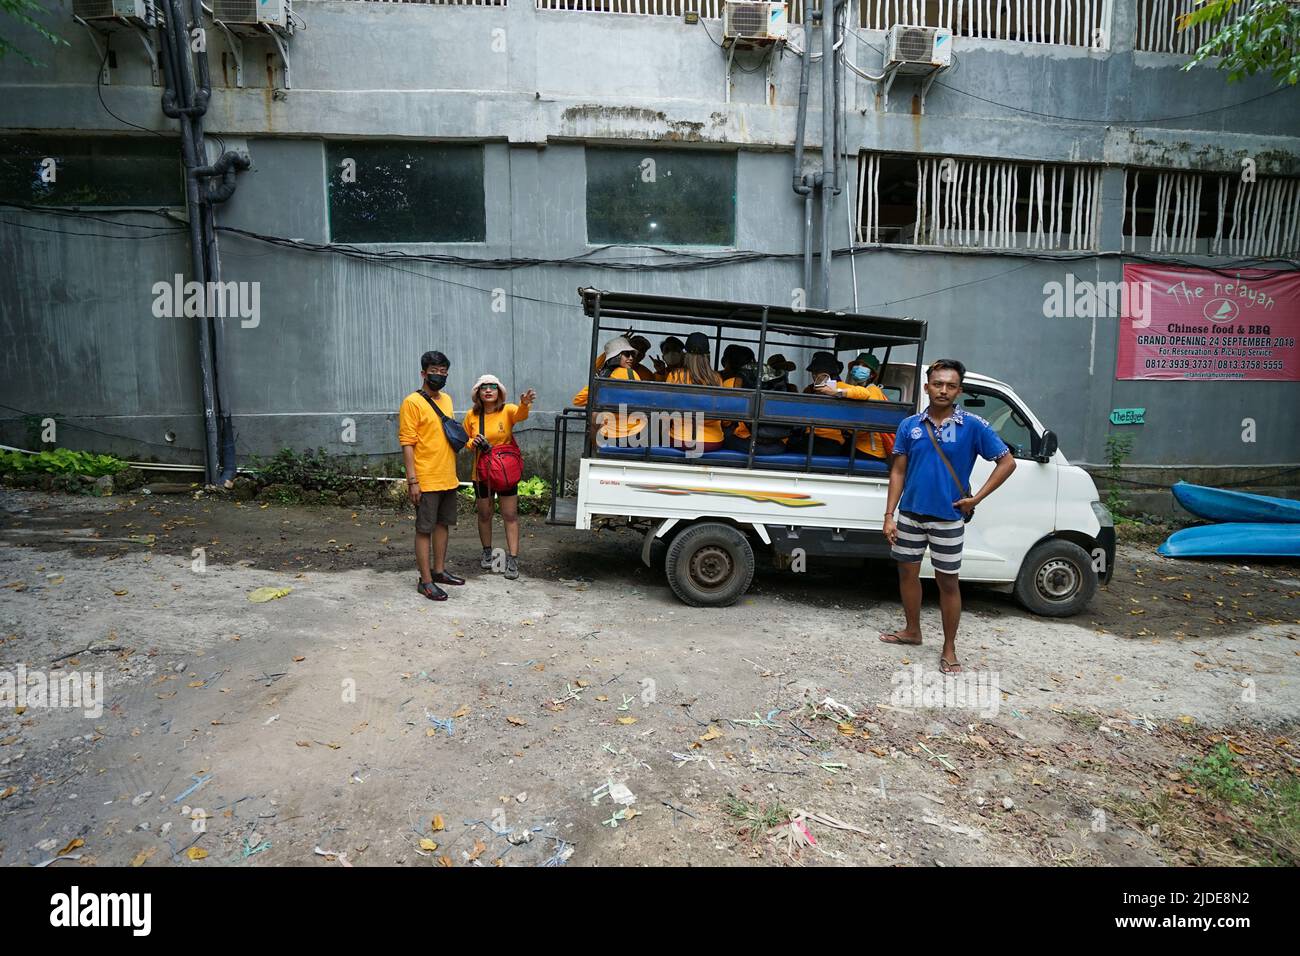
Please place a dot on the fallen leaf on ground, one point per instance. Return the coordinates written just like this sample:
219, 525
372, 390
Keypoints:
8, 792
262, 595
437, 823
427, 844
72, 845
627, 720
713, 732
517, 721
196, 853
143, 855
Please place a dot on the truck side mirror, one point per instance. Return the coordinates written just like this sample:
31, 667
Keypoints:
1047, 446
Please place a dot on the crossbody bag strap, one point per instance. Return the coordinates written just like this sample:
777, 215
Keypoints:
432, 404
929, 430
482, 430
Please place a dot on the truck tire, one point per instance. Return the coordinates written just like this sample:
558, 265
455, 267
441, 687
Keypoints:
709, 564
1056, 579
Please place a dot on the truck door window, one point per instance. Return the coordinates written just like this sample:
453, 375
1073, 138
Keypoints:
1011, 426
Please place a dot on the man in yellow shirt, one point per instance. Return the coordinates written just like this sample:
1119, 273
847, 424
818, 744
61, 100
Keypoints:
430, 472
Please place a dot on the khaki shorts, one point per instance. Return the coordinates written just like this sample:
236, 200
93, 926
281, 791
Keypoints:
435, 507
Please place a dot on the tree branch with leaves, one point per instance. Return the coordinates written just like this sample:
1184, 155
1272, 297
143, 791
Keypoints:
1263, 37
24, 11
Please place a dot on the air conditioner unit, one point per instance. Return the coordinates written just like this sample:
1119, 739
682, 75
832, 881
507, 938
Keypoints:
918, 49
752, 22
272, 13
141, 11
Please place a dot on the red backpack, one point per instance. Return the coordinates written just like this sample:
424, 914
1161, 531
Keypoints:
501, 466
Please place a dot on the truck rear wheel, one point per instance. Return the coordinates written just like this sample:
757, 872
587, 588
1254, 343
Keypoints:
1056, 579
709, 565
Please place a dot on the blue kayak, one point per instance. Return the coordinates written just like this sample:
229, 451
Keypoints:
1238, 539
1220, 504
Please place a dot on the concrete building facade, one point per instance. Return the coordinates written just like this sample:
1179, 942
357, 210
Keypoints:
533, 87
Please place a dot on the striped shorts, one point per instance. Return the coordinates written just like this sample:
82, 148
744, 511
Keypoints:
944, 538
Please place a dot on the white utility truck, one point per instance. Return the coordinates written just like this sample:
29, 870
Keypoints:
1044, 535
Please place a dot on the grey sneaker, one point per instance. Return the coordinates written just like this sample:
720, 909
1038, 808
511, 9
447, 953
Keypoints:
512, 567
486, 562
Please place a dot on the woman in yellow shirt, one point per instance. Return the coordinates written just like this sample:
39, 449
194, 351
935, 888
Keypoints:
696, 370
613, 428
860, 386
491, 422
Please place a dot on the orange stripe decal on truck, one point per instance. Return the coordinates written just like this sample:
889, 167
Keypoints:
788, 499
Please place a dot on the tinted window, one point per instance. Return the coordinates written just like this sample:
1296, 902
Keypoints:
405, 192
91, 171
661, 197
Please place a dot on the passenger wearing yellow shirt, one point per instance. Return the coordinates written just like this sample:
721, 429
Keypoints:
825, 368
642, 346
613, 428
860, 386
489, 423
696, 370
672, 354
430, 472
734, 358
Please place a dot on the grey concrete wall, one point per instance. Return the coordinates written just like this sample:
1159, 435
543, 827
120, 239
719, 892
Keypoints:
340, 338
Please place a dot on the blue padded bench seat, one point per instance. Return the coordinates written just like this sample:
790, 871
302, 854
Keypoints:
862, 466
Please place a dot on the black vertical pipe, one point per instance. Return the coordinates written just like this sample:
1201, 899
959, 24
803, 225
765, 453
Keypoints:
183, 73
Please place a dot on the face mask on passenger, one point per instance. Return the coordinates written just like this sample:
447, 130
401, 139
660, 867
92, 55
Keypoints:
859, 374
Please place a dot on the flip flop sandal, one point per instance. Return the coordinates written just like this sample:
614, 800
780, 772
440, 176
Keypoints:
947, 668
885, 639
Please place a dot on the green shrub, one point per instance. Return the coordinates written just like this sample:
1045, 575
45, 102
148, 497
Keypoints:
61, 461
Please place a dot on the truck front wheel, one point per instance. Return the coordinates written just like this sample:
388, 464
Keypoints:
1056, 579
709, 565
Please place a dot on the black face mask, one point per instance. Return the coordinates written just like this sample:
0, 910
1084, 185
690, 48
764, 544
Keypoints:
435, 382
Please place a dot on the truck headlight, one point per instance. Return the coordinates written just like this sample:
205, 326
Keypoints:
1103, 514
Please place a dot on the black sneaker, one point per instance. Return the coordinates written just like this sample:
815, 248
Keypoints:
431, 591
446, 577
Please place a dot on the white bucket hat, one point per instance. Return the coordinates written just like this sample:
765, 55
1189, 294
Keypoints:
487, 380
616, 347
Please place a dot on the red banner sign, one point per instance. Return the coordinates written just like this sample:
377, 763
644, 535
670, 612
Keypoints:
1201, 325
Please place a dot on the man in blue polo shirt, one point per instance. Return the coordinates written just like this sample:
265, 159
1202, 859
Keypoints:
936, 499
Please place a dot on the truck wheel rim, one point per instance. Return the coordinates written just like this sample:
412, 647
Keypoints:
711, 566
1058, 580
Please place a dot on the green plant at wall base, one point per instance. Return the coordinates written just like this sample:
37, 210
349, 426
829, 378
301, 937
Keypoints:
534, 486
1261, 40
1118, 448
313, 470
61, 461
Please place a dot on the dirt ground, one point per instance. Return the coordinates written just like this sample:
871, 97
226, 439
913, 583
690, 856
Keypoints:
332, 725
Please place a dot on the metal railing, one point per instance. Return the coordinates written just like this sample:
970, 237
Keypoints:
990, 204
707, 9
1157, 26
1064, 22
